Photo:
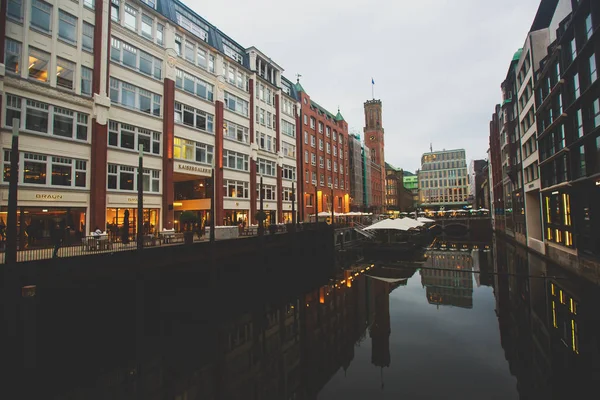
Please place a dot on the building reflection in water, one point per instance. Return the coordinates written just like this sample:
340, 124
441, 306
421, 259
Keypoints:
549, 326
448, 278
290, 347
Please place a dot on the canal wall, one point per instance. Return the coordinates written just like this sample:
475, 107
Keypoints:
581, 265
199, 263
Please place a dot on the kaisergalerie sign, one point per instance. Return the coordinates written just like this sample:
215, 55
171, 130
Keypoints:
194, 169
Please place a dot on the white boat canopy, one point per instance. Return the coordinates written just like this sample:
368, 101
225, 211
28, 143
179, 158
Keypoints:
400, 224
425, 220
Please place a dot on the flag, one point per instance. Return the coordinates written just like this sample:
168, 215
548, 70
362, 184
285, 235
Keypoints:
372, 81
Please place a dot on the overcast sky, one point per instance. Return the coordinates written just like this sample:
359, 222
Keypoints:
437, 64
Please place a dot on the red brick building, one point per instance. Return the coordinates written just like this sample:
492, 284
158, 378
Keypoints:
375, 142
323, 159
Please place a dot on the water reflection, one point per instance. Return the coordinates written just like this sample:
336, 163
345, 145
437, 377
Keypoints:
470, 324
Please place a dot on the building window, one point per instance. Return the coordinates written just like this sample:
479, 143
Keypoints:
115, 10
265, 142
312, 123
130, 56
67, 27
130, 96
235, 104
328, 165
236, 132
593, 70
193, 117
288, 129
334, 150
328, 132
194, 85
322, 180
595, 116
313, 159
576, 89
320, 127
189, 150
39, 63
320, 144
160, 34
36, 167
147, 23
589, 28
268, 192
235, 160
288, 172
91, 4
41, 15
287, 194
12, 56
289, 150
573, 49
86, 81
15, 9
328, 148
314, 178
130, 19
123, 177
126, 136
321, 162
39, 116
305, 120
87, 39
266, 167
578, 124
65, 73
235, 189
313, 141
580, 160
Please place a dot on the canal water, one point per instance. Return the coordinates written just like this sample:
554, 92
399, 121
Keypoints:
487, 322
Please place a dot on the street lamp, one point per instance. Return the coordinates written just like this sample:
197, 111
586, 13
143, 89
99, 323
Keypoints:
11, 231
140, 200
212, 202
261, 219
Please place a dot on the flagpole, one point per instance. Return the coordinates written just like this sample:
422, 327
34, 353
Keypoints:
373, 88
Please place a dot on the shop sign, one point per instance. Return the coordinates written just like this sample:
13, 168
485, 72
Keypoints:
30, 195
194, 169
120, 199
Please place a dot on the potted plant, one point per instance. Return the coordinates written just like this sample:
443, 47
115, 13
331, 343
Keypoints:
187, 221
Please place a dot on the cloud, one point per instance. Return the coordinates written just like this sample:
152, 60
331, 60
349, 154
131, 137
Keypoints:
437, 64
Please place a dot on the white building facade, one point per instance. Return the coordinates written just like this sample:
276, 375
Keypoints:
101, 79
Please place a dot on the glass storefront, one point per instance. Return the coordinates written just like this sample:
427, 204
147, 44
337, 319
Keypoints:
234, 217
124, 220
35, 225
287, 217
202, 215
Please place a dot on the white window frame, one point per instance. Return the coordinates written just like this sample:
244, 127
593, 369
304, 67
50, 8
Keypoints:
230, 156
77, 166
236, 132
116, 128
181, 109
119, 86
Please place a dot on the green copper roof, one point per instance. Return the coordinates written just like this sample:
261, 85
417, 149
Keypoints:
299, 87
517, 55
339, 117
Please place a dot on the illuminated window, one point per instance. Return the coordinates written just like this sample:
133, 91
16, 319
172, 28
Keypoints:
574, 337
552, 289
554, 315
548, 210
573, 307
562, 297
567, 208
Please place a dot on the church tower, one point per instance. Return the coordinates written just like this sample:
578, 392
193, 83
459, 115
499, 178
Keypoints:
374, 140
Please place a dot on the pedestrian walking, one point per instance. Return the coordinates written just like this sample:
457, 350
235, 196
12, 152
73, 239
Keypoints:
56, 234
